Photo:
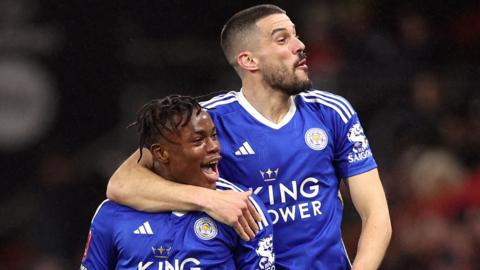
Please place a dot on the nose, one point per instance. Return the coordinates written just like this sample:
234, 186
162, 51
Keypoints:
298, 46
212, 145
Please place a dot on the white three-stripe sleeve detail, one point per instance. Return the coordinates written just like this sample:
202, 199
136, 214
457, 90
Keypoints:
340, 98
345, 120
222, 102
217, 98
338, 103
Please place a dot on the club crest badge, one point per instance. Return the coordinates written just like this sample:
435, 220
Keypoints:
205, 228
316, 138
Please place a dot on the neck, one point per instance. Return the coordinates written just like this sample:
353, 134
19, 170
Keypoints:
271, 103
161, 170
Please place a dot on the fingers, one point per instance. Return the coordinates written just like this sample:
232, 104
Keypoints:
254, 213
249, 215
240, 231
235, 209
246, 227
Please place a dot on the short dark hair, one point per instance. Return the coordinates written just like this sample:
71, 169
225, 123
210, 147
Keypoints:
160, 117
236, 28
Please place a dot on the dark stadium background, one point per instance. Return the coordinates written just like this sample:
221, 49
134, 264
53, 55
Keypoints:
73, 74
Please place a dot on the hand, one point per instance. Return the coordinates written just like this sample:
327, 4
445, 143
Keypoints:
234, 209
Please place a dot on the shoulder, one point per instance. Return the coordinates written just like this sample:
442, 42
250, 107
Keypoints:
220, 104
107, 210
327, 103
106, 207
223, 184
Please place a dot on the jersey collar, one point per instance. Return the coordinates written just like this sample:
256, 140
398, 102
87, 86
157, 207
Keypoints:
259, 117
179, 213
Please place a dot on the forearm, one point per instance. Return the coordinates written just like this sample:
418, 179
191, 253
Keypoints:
370, 201
135, 185
373, 242
160, 196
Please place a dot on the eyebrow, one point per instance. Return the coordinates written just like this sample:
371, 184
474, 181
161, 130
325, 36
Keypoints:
281, 29
278, 30
199, 132
202, 131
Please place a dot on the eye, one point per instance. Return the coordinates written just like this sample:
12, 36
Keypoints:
197, 140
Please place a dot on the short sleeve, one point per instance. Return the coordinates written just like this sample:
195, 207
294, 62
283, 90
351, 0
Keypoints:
353, 154
99, 251
257, 253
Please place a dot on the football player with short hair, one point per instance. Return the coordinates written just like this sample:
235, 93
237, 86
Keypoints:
290, 144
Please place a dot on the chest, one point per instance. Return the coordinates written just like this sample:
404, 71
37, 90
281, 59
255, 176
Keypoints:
257, 155
166, 241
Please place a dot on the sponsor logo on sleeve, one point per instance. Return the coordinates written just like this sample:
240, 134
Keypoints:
361, 149
265, 251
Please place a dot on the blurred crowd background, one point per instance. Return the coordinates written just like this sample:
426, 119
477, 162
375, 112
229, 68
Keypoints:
74, 73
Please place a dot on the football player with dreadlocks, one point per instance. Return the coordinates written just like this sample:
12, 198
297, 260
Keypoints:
182, 140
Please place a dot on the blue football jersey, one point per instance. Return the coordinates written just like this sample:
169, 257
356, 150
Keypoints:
123, 238
295, 167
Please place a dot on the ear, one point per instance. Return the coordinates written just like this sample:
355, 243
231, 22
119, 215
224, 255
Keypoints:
160, 153
246, 61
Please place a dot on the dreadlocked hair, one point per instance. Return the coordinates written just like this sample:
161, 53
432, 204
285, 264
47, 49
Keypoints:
160, 117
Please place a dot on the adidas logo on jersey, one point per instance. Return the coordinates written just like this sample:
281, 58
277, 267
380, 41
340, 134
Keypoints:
144, 229
245, 150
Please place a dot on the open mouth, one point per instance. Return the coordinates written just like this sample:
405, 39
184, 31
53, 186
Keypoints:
210, 170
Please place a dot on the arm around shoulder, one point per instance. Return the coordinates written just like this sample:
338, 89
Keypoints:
134, 184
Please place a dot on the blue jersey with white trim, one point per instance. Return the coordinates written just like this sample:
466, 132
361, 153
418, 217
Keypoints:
123, 238
295, 167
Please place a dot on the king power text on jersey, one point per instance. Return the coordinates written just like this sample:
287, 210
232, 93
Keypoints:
187, 264
280, 193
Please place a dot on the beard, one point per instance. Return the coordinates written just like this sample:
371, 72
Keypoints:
285, 80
